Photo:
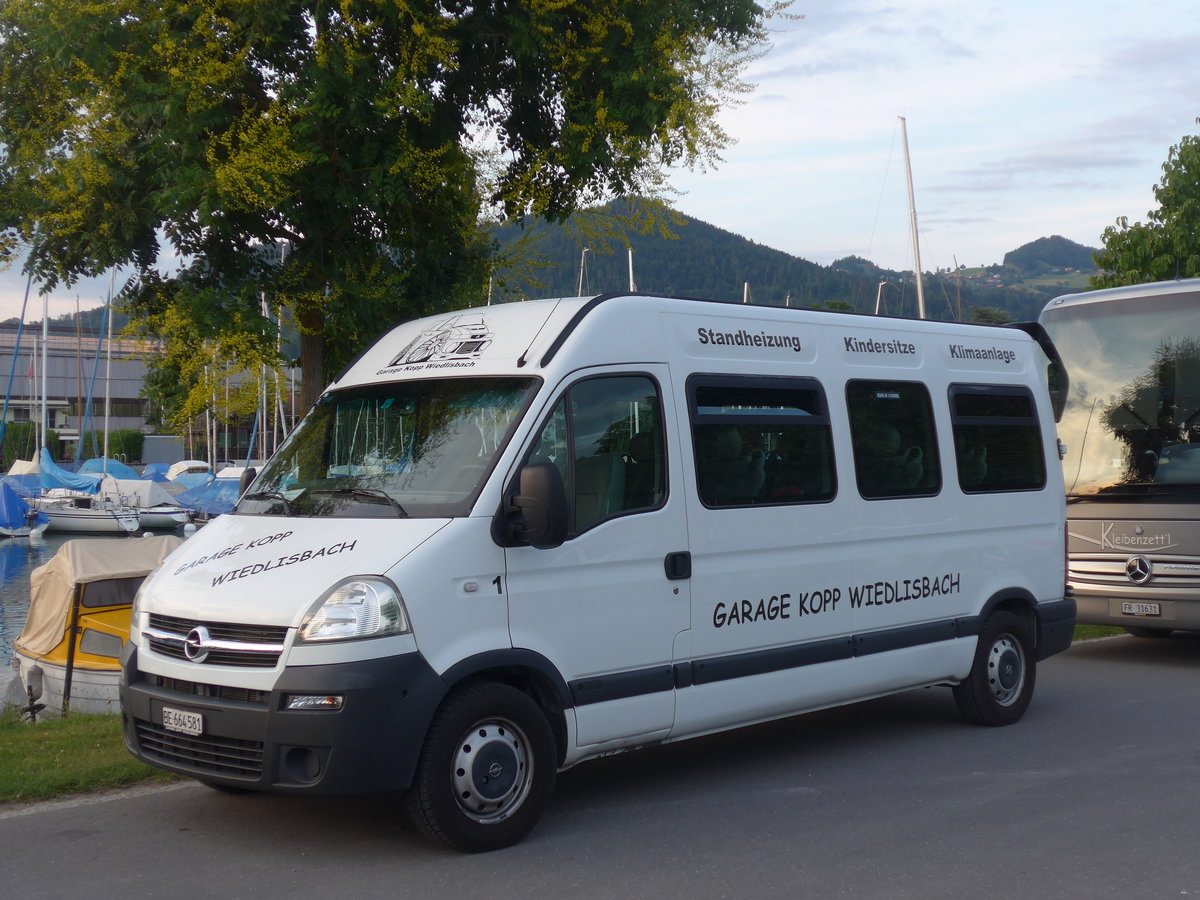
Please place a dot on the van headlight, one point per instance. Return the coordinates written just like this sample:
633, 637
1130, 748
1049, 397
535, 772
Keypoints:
135, 613
363, 607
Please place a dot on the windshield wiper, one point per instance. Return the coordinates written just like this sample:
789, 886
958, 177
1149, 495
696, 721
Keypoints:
373, 493
270, 495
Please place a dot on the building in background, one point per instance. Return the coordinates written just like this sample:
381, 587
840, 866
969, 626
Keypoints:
79, 363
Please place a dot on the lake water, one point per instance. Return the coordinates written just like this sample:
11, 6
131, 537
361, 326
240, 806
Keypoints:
19, 557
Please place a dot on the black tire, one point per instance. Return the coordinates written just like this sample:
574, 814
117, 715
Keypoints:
1000, 686
1143, 632
486, 771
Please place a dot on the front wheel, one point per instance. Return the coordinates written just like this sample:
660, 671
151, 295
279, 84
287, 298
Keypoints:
1000, 685
486, 771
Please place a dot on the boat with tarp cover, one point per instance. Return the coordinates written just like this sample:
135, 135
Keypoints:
80, 605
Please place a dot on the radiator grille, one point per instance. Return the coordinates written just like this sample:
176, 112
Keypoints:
231, 757
215, 691
167, 634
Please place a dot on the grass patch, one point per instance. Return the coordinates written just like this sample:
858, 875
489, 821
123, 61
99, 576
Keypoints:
1090, 632
54, 757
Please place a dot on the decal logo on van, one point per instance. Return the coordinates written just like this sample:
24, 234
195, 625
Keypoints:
958, 351
453, 342
870, 345
302, 557
819, 600
744, 338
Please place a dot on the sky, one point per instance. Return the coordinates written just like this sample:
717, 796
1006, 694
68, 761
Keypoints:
1025, 119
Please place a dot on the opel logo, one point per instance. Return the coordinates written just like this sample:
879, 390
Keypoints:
195, 645
1138, 569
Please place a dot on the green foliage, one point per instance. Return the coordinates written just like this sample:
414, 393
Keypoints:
124, 444
990, 315
20, 442
330, 160
1165, 247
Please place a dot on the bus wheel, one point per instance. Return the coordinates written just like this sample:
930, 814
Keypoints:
1000, 686
486, 771
1139, 631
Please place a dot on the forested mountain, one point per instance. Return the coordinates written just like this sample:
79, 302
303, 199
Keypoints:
1051, 254
704, 261
696, 259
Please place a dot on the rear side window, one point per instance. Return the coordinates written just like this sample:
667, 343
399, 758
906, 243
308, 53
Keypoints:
760, 441
895, 441
997, 439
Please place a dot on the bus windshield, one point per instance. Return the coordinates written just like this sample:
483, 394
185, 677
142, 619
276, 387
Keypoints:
406, 448
1132, 419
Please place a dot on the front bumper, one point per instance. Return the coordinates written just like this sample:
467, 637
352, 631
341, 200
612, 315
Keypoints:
250, 740
1105, 609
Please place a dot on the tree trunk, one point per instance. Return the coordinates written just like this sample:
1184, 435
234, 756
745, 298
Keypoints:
312, 357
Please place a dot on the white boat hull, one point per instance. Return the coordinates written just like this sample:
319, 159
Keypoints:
92, 690
164, 517
90, 521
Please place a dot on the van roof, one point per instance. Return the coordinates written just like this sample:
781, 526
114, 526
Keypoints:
528, 336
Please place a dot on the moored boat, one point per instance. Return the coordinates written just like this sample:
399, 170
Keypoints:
86, 589
18, 518
78, 513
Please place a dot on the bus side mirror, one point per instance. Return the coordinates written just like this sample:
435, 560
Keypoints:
540, 505
245, 479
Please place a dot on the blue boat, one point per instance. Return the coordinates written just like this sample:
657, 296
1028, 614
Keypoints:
18, 518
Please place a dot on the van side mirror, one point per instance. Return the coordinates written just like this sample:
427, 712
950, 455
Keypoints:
540, 505
245, 479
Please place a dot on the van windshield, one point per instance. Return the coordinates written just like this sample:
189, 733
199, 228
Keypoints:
407, 448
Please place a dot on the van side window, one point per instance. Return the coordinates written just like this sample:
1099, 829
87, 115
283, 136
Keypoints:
606, 438
895, 442
760, 441
997, 439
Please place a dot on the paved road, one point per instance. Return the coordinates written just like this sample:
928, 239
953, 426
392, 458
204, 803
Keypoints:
1095, 794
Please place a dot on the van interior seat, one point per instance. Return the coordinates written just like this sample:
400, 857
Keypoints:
972, 466
599, 487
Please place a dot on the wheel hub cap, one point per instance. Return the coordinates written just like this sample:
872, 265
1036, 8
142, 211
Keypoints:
491, 771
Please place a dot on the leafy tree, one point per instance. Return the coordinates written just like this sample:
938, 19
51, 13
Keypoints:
329, 160
1167, 245
125, 444
990, 315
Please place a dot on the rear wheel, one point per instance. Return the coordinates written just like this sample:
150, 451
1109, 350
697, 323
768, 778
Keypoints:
486, 771
1139, 631
1000, 686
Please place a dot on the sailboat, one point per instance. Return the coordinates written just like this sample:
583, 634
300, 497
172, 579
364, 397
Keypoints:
72, 504
70, 501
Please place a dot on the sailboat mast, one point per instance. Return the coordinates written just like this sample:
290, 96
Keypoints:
107, 374
45, 357
912, 217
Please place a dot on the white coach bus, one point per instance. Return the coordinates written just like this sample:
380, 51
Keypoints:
1131, 426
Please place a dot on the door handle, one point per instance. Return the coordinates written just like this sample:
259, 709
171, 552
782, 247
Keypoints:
678, 565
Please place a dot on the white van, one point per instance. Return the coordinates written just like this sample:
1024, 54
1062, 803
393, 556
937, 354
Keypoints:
579, 526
